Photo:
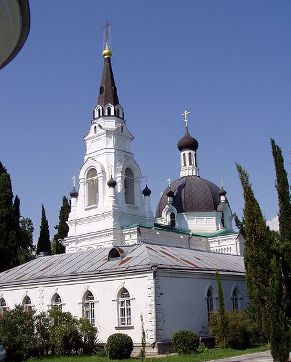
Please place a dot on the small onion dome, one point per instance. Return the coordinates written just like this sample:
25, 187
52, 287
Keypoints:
146, 191
74, 193
111, 182
187, 142
221, 192
170, 193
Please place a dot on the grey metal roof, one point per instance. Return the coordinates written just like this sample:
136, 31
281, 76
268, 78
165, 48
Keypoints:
137, 257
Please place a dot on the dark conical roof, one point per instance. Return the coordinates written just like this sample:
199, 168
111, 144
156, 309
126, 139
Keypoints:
108, 90
187, 142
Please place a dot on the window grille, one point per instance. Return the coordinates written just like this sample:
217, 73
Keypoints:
124, 308
89, 307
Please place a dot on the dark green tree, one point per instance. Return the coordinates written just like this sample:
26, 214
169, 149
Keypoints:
27, 248
62, 228
280, 334
223, 320
8, 234
258, 253
284, 217
23, 230
265, 279
2, 169
43, 244
15, 244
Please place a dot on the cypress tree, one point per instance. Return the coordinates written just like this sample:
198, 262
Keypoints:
258, 252
280, 335
8, 237
263, 262
14, 250
2, 169
223, 320
43, 244
62, 228
27, 248
284, 218
281, 281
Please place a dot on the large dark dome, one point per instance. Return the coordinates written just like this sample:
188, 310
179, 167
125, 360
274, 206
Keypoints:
191, 193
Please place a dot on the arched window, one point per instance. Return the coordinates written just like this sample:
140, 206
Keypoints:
99, 112
234, 298
92, 187
172, 220
184, 159
209, 302
3, 305
89, 307
117, 112
95, 129
124, 308
129, 187
190, 159
57, 302
109, 111
27, 306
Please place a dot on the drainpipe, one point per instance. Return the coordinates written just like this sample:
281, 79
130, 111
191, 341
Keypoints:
154, 269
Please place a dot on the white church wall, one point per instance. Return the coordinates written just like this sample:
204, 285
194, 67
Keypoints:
229, 244
196, 222
181, 300
105, 291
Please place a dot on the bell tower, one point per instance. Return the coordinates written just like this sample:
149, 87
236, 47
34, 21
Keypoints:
109, 195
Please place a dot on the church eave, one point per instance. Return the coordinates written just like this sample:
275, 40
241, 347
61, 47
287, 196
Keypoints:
73, 278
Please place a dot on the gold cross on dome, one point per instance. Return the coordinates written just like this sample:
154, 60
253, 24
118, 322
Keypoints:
185, 114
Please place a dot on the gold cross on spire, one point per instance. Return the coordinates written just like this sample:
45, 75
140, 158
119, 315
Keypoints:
107, 53
185, 114
169, 181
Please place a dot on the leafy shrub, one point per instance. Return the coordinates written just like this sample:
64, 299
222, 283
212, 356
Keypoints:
42, 344
119, 346
65, 336
185, 342
88, 335
17, 333
243, 332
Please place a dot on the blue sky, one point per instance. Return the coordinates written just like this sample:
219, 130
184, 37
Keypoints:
227, 62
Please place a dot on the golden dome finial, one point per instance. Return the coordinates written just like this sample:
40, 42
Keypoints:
107, 53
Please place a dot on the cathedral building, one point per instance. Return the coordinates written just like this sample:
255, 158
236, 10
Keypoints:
121, 261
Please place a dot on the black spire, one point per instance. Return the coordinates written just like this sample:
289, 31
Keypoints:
108, 90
